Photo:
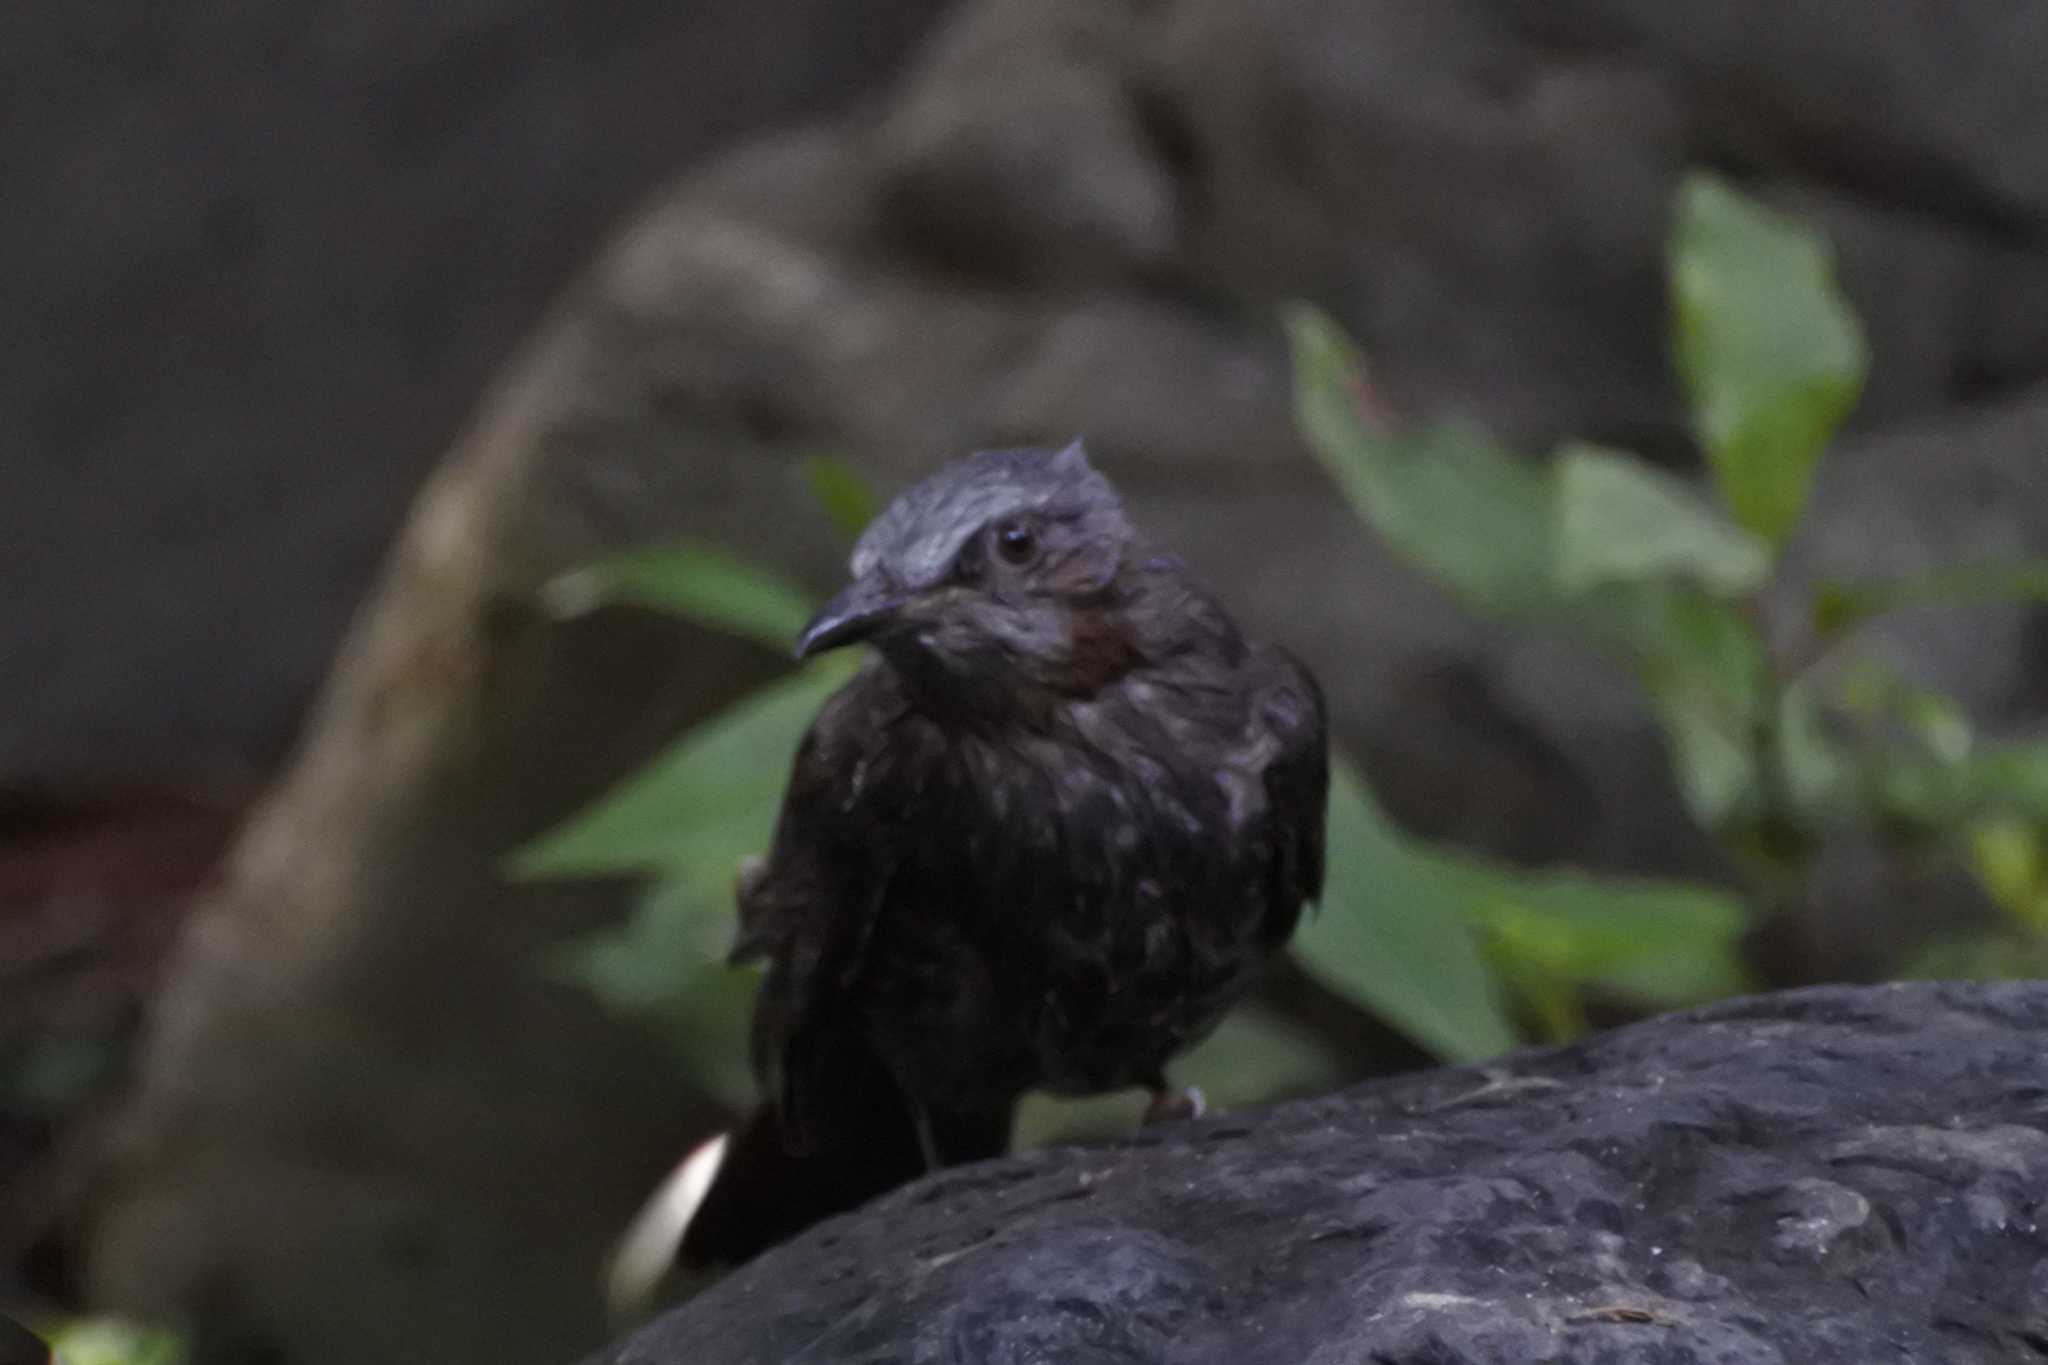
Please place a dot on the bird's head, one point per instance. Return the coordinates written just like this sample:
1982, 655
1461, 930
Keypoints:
997, 574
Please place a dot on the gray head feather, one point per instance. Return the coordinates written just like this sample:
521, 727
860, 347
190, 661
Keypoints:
917, 538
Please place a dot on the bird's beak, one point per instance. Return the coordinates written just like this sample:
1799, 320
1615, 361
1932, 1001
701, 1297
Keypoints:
860, 609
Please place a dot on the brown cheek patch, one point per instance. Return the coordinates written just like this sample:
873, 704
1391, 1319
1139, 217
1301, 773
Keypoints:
1098, 653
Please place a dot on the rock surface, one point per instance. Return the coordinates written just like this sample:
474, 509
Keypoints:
1828, 1177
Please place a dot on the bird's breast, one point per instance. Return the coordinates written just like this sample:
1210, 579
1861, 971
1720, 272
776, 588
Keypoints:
1102, 901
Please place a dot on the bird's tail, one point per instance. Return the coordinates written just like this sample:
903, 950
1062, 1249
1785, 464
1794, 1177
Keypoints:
739, 1193
766, 1191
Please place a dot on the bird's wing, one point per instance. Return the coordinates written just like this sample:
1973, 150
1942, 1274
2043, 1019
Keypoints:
810, 909
1289, 711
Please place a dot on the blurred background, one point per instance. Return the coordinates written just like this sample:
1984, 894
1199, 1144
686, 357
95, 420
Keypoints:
337, 331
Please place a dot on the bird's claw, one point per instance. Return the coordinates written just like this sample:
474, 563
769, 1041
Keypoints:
1172, 1106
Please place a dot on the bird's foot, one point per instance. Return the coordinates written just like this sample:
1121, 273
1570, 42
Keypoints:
1172, 1106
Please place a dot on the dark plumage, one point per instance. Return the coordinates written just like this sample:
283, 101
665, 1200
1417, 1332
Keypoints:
1044, 839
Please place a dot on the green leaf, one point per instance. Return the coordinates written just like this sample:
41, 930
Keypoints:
708, 801
1254, 1057
1462, 509
1705, 668
2010, 779
1928, 771
1392, 937
708, 1024
847, 498
1715, 765
113, 1341
695, 582
1818, 771
1620, 520
1396, 934
1770, 354
1044, 1120
1979, 957
1940, 724
1661, 944
1944, 791
1922, 769
2008, 856
691, 815
664, 967
1840, 607
1548, 999
676, 926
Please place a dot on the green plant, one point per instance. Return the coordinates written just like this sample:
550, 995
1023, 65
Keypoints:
113, 1341
1456, 951
1780, 738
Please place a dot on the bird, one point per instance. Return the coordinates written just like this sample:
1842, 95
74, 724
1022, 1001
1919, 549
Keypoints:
1044, 838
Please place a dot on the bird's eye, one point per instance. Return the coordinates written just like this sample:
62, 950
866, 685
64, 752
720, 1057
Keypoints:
1016, 542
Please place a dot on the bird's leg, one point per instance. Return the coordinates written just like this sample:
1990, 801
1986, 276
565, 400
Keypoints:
1170, 1105
971, 1131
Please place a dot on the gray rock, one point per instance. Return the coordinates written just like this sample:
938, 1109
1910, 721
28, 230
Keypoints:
1915, 106
1827, 1177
